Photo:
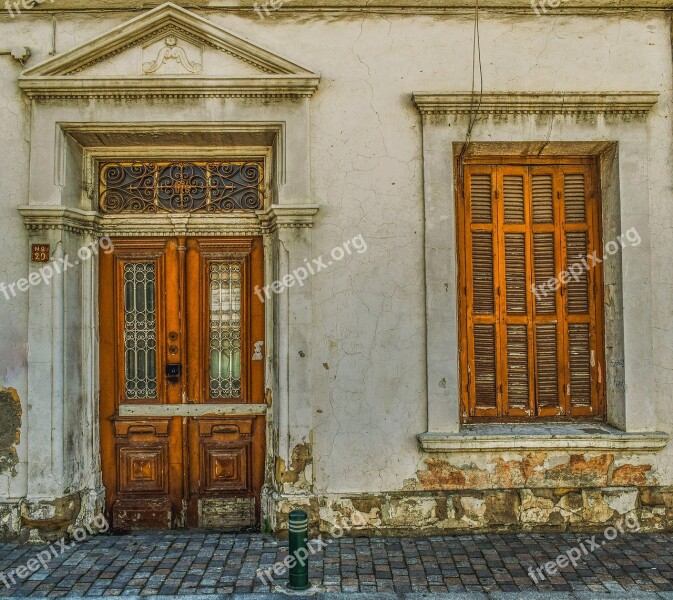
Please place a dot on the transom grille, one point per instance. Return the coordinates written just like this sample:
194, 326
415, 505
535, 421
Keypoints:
183, 187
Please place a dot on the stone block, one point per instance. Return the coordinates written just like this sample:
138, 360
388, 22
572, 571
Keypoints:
10, 521
622, 501
410, 512
502, 508
535, 509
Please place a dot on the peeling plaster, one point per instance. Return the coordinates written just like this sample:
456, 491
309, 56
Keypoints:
10, 429
633, 475
295, 475
536, 470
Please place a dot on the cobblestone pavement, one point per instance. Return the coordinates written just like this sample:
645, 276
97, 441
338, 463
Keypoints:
193, 563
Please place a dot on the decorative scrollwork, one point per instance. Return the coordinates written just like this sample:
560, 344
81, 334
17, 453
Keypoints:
182, 187
171, 51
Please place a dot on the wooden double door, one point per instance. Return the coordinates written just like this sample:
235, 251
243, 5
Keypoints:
182, 382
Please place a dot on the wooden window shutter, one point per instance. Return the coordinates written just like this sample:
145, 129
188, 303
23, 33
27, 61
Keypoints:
515, 366
529, 349
581, 328
483, 276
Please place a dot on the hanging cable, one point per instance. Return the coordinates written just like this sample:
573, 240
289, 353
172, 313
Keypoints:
474, 111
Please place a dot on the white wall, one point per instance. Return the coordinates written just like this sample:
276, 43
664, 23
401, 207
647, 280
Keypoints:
369, 383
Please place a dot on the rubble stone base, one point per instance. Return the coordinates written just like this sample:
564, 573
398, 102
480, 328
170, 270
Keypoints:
480, 511
542, 510
47, 520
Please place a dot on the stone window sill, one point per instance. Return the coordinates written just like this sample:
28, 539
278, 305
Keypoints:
557, 436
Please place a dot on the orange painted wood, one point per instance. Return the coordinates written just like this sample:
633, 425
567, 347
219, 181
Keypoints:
560, 344
158, 472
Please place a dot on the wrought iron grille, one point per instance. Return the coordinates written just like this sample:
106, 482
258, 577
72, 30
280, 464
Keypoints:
225, 330
140, 330
185, 187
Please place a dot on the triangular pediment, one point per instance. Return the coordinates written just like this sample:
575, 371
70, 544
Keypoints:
168, 49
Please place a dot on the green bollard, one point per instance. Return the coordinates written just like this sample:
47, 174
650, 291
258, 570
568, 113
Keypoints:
298, 527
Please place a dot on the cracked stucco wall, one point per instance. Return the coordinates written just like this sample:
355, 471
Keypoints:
370, 404
368, 353
14, 152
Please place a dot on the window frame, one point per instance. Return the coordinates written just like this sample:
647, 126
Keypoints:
468, 409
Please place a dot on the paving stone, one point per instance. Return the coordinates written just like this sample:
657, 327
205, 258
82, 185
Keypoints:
151, 565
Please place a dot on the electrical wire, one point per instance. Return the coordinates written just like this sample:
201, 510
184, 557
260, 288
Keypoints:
474, 112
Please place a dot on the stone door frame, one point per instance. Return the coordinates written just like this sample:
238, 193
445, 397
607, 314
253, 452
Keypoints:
77, 120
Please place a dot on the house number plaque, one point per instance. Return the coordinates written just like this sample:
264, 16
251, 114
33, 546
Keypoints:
40, 253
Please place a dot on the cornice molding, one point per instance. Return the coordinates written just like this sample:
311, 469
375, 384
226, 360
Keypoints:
267, 87
43, 218
510, 103
152, 225
282, 216
371, 6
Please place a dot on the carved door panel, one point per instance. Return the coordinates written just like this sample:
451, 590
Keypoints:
182, 388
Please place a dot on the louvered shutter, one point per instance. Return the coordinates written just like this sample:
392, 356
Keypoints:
580, 328
481, 313
547, 302
513, 221
532, 350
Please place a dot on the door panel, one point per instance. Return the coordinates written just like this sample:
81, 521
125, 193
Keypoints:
179, 327
142, 452
223, 485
